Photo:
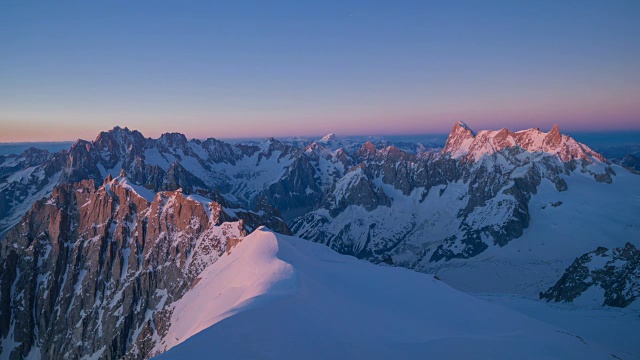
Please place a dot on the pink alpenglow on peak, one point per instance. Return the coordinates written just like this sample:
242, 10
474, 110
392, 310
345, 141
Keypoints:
464, 143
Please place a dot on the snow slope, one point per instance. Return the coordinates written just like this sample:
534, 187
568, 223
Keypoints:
617, 328
282, 297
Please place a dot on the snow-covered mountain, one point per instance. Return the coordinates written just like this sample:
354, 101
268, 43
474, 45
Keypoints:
104, 244
428, 211
281, 297
291, 174
493, 211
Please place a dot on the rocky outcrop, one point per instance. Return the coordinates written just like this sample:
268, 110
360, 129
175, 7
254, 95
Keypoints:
298, 190
356, 188
615, 272
631, 162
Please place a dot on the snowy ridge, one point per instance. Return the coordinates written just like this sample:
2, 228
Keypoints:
463, 142
282, 297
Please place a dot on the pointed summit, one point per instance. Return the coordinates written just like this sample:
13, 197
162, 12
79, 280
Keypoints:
327, 138
367, 150
459, 139
553, 138
463, 125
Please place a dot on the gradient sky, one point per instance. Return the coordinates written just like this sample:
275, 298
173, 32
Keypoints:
278, 68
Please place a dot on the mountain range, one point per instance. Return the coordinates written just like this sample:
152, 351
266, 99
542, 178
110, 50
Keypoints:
105, 244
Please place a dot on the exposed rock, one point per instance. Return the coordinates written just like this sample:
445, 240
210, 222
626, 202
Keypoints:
494, 174
91, 270
632, 162
616, 272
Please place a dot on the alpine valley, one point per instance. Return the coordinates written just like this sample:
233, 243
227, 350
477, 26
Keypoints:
133, 247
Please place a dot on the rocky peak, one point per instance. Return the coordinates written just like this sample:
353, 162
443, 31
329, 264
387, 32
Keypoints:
220, 151
392, 153
356, 188
173, 140
35, 156
115, 143
272, 145
530, 139
367, 150
553, 139
314, 147
504, 138
459, 139
462, 143
80, 163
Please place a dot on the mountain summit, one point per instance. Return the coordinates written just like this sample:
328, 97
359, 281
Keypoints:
464, 143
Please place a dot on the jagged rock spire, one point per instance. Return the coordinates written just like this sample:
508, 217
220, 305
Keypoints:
460, 133
553, 138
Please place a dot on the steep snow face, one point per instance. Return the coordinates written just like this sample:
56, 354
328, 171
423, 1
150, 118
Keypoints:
282, 297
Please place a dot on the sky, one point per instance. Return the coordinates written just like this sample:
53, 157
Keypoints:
235, 69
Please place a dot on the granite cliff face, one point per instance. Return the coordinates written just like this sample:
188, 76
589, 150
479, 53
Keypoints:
613, 274
92, 270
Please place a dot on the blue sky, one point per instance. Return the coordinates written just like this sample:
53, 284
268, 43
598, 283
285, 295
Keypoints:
280, 68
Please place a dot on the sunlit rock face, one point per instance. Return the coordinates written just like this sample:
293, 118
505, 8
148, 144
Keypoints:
91, 270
